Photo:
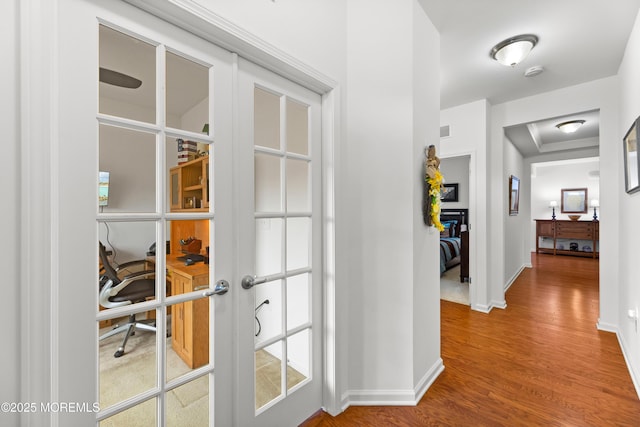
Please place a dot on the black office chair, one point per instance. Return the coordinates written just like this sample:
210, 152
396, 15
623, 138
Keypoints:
117, 290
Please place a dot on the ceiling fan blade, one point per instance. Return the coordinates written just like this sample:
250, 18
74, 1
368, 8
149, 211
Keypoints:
118, 79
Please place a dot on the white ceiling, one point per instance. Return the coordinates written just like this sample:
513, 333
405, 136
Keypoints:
543, 137
579, 41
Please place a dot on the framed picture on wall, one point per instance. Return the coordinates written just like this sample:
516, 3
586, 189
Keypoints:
514, 195
573, 200
631, 159
449, 193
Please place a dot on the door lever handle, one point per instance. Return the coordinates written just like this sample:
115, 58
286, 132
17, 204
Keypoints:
221, 288
249, 281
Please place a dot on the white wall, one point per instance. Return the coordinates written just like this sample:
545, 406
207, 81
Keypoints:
388, 127
456, 171
10, 223
469, 126
427, 363
628, 207
516, 255
312, 31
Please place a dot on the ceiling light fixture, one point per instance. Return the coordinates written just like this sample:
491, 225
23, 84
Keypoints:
570, 126
514, 49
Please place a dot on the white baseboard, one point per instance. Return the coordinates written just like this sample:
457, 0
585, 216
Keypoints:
514, 277
635, 378
380, 398
344, 402
481, 308
406, 397
607, 327
428, 379
499, 304
487, 308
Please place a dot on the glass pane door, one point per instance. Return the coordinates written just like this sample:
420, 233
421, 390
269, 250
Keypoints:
281, 214
149, 202
156, 220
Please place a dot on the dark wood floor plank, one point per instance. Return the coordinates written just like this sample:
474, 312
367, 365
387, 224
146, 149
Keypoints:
541, 361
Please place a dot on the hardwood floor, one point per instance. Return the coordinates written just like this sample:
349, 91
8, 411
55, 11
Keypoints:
539, 362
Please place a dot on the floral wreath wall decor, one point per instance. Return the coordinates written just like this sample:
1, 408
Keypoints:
433, 187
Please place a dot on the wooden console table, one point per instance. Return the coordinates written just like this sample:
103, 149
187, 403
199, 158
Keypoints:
575, 238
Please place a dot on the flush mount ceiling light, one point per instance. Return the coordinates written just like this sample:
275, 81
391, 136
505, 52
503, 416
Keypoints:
514, 49
570, 126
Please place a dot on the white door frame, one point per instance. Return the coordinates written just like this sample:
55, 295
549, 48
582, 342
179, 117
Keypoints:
473, 226
38, 204
39, 260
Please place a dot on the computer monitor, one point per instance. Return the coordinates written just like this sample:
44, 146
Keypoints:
103, 188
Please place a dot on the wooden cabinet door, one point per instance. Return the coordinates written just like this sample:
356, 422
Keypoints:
199, 326
187, 329
177, 320
545, 228
190, 323
175, 189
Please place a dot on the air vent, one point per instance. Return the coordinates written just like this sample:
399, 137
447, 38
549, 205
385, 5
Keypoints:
445, 131
533, 71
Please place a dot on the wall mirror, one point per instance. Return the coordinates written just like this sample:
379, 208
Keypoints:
573, 200
631, 159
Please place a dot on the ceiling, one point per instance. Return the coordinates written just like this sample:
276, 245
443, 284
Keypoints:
579, 41
542, 137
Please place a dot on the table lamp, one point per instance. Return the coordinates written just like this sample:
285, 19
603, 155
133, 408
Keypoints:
595, 204
553, 205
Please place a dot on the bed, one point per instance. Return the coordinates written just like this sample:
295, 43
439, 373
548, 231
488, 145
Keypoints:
454, 241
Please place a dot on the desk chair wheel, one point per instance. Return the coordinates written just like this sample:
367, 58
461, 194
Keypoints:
119, 352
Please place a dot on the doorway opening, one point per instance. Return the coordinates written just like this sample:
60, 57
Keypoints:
454, 240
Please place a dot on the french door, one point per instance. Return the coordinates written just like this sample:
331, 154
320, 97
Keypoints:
279, 249
206, 169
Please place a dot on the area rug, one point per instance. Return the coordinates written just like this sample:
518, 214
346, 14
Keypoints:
451, 289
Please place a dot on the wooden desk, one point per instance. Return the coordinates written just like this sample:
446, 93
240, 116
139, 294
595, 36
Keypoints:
563, 233
189, 320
